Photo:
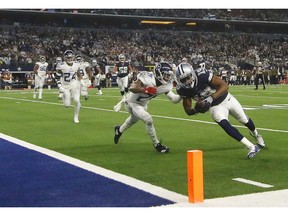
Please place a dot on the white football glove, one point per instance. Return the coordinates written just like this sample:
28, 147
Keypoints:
82, 83
61, 89
89, 83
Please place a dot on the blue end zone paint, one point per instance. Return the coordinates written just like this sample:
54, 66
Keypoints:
31, 179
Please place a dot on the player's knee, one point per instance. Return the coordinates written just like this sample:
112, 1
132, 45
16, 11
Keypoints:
148, 120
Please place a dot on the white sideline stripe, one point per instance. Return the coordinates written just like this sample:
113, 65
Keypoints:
157, 116
147, 187
266, 199
259, 184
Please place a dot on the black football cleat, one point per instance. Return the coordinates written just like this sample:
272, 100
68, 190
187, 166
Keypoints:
117, 134
160, 148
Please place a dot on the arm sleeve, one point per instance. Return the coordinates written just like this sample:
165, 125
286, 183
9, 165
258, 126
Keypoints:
173, 97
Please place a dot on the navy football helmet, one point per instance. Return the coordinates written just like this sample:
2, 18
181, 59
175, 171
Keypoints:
185, 76
163, 72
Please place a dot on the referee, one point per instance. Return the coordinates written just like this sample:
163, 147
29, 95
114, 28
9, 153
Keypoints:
259, 75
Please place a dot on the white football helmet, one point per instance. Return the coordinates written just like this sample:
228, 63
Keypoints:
69, 56
79, 58
94, 62
163, 72
58, 60
42, 59
185, 76
121, 58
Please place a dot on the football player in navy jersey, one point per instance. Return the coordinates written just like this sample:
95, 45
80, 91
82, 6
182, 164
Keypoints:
147, 86
202, 85
97, 73
122, 69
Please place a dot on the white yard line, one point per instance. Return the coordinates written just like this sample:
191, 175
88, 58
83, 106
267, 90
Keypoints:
266, 199
259, 184
156, 116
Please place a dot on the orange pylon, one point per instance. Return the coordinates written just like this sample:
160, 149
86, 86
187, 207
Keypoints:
195, 176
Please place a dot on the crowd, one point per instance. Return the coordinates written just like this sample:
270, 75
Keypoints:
20, 46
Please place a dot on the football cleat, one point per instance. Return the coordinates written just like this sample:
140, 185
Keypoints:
253, 151
258, 139
117, 134
86, 97
160, 148
76, 120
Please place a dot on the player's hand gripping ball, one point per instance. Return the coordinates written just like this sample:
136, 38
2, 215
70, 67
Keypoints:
202, 106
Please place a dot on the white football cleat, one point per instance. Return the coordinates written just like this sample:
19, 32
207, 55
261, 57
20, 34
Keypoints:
253, 151
76, 120
259, 139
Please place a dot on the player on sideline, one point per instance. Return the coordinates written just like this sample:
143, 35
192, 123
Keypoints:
147, 86
71, 82
40, 70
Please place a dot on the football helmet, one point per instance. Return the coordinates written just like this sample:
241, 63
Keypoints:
58, 60
79, 58
186, 76
69, 56
184, 60
42, 59
94, 62
163, 72
121, 58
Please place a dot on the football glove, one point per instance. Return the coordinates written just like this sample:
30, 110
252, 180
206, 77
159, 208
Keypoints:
89, 83
82, 83
202, 106
61, 89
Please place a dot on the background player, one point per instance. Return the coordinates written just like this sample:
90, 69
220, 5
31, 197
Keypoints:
71, 82
40, 70
122, 68
86, 72
97, 72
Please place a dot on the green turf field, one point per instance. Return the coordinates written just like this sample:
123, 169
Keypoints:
48, 124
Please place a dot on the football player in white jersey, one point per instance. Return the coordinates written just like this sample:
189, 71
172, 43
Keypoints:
71, 82
40, 70
58, 61
86, 72
147, 86
202, 85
